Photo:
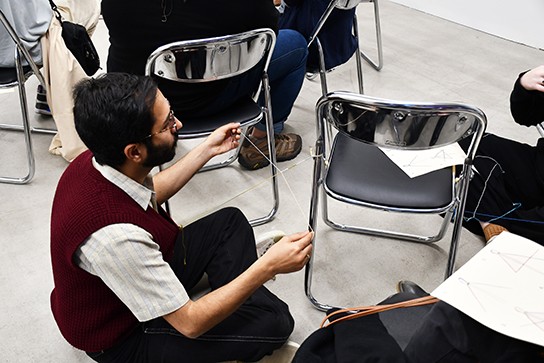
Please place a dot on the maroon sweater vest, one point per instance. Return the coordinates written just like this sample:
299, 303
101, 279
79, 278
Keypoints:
88, 313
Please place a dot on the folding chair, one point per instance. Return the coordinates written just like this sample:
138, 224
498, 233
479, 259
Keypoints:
212, 59
352, 169
314, 37
16, 77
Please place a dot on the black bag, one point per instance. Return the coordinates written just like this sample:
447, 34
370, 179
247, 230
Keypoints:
79, 43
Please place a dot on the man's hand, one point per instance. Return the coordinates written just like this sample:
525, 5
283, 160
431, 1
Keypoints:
224, 139
534, 79
289, 254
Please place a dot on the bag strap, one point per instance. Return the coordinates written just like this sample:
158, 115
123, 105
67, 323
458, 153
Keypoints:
360, 311
55, 10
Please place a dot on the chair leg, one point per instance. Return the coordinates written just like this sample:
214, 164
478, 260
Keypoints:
385, 233
272, 156
357, 57
314, 204
465, 177
27, 131
379, 64
322, 70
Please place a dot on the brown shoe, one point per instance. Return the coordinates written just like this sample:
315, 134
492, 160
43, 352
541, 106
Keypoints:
287, 147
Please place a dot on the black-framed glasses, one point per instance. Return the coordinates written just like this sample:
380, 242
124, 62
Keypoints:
170, 124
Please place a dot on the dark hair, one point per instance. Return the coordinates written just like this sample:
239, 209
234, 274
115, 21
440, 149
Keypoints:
112, 111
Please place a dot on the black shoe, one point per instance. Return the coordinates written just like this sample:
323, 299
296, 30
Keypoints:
411, 287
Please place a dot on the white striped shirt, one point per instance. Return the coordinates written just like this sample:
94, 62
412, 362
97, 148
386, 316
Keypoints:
127, 259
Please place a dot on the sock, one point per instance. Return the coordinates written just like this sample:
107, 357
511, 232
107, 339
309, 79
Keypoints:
492, 230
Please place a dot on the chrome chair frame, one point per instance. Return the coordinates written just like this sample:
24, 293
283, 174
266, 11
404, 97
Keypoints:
540, 128
392, 130
220, 58
21, 75
349, 4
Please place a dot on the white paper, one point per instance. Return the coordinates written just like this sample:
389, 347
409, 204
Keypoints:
418, 162
502, 287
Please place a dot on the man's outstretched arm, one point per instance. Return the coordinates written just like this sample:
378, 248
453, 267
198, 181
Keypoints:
197, 317
169, 181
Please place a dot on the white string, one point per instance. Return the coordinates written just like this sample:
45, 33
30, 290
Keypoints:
281, 172
265, 180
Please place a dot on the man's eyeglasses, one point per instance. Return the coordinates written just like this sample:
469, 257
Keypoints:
170, 124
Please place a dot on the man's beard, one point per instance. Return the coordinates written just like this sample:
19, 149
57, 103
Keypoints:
158, 155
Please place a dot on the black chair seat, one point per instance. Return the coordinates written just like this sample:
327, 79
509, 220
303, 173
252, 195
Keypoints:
8, 76
246, 112
363, 172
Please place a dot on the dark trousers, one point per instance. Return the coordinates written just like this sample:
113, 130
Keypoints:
222, 246
508, 187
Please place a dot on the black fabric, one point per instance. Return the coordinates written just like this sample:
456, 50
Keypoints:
9, 75
336, 36
361, 171
527, 107
79, 43
245, 111
449, 336
508, 187
359, 340
373, 338
137, 27
436, 333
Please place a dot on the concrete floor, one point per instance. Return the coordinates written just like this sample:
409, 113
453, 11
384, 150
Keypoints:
426, 59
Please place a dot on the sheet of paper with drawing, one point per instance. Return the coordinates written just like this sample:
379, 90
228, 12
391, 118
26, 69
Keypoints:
418, 162
502, 287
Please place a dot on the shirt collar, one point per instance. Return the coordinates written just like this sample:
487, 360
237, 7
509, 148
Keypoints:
141, 193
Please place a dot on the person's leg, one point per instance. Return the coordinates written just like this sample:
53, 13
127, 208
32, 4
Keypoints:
261, 325
223, 245
286, 73
62, 71
505, 189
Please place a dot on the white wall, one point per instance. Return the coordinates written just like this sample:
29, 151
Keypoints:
521, 21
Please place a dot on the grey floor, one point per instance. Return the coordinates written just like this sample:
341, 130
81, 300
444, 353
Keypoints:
426, 59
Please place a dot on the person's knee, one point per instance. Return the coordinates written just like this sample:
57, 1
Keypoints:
233, 213
293, 37
279, 325
293, 43
277, 320
235, 218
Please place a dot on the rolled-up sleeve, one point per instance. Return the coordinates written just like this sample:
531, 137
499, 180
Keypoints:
130, 263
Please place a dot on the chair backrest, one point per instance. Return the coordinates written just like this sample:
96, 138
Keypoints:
401, 125
349, 4
20, 51
210, 59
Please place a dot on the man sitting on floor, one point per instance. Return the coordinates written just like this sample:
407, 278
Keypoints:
122, 267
